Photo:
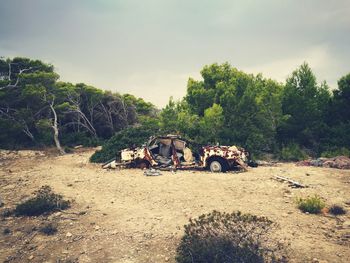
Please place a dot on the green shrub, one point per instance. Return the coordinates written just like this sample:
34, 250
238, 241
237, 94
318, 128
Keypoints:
44, 201
222, 237
68, 149
337, 210
292, 152
48, 229
132, 136
336, 152
79, 138
312, 205
6, 231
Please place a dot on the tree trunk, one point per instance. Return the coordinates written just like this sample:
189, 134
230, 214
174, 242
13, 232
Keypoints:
55, 129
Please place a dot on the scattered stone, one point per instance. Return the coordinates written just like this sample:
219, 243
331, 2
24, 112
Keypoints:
69, 234
57, 214
1, 202
166, 259
315, 260
97, 228
30, 257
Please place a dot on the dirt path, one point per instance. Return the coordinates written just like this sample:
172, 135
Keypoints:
124, 216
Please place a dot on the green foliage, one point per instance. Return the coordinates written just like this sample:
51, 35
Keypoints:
336, 152
129, 137
227, 106
305, 102
223, 237
337, 210
48, 229
211, 124
312, 205
292, 152
6, 231
44, 201
251, 107
79, 138
85, 114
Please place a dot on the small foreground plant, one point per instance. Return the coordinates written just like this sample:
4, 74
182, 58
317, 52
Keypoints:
225, 238
48, 229
337, 210
312, 205
44, 201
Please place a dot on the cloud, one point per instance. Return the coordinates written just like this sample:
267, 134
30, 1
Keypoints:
151, 47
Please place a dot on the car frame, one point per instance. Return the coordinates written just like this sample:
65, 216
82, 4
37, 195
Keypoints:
173, 152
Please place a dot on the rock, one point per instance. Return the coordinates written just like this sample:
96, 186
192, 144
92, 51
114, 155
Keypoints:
69, 234
97, 228
346, 224
315, 260
30, 257
1, 202
57, 214
166, 259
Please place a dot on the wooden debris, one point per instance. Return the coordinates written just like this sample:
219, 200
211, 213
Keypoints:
292, 183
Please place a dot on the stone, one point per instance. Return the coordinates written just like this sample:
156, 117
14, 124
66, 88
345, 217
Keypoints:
30, 257
166, 259
69, 234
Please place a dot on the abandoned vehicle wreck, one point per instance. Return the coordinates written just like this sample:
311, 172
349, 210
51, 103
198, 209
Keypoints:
172, 152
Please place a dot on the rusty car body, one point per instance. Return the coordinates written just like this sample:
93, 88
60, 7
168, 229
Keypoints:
174, 152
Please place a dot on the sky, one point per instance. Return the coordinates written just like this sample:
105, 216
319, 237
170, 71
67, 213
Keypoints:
149, 48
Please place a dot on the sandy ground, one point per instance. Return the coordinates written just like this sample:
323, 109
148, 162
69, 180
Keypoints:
124, 216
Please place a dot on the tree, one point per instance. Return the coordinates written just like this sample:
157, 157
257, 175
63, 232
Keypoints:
251, 105
305, 102
211, 124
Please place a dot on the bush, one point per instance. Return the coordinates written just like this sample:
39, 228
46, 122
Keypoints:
336, 152
130, 137
7, 212
312, 205
292, 152
48, 229
337, 210
45, 201
6, 231
79, 138
223, 237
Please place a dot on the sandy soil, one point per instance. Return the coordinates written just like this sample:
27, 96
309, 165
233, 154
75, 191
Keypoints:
124, 216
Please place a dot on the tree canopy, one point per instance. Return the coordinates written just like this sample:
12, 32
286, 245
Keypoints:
227, 106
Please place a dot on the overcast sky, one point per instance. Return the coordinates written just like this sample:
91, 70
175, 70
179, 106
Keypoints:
150, 48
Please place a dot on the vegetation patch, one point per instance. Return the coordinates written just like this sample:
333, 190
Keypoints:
130, 137
6, 231
48, 229
292, 152
44, 201
223, 237
334, 152
312, 205
337, 210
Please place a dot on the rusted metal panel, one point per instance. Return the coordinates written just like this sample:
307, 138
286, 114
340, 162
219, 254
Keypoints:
232, 154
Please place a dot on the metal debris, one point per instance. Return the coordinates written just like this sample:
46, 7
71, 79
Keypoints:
152, 172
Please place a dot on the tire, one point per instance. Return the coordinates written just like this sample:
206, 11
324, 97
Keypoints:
216, 166
143, 165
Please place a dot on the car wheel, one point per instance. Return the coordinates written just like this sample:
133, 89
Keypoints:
216, 166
